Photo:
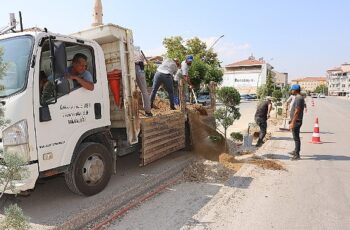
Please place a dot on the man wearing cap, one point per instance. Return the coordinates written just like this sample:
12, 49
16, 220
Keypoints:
261, 115
185, 66
296, 119
164, 75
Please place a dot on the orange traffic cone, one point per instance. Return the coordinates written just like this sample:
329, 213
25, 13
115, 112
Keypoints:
316, 139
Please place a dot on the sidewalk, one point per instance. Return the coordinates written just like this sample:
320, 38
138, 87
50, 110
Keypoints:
278, 146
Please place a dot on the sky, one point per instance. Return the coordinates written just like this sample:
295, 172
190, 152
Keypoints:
300, 37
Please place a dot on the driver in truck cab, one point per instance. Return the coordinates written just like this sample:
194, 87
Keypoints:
77, 72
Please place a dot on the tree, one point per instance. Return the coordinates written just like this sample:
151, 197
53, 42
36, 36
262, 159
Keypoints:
226, 115
206, 65
276, 99
269, 83
14, 219
261, 92
285, 92
174, 47
321, 89
150, 70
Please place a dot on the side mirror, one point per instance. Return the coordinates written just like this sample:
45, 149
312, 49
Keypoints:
44, 114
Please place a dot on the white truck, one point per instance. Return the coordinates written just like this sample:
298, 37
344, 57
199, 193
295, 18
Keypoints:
72, 130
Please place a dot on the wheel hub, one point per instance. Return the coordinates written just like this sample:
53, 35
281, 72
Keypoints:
93, 170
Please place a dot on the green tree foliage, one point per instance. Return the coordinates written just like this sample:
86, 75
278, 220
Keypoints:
226, 115
321, 89
285, 92
175, 47
14, 219
269, 84
276, 99
206, 65
3, 68
12, 171
197, 72
150, 70
261, 92
237, 136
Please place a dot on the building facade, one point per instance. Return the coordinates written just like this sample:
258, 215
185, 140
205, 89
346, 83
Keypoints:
310, 83
246, 75
339, 80
280, 79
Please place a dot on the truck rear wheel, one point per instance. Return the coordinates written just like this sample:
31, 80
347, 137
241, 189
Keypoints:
90, 170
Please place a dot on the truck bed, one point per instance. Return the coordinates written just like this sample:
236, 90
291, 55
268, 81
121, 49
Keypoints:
161, 135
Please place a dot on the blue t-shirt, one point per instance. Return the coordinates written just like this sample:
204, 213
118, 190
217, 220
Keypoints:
86, 75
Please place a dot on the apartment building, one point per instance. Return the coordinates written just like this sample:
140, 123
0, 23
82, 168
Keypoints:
310, 83
339, 80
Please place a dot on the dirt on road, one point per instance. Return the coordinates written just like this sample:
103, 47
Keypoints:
213, 163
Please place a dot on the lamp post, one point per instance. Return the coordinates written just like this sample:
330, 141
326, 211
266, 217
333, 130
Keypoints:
216, 41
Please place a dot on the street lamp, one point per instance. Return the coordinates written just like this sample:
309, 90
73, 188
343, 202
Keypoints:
216, 41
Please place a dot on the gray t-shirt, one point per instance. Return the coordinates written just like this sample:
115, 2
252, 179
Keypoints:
262, 110
299, 102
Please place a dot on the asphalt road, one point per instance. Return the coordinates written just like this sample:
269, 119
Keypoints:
313, 193
52, 205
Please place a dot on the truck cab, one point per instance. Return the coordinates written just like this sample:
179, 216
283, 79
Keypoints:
57, 126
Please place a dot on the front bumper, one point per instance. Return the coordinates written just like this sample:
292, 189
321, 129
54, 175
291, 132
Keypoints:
26, 183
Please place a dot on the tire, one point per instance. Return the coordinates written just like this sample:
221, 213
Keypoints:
90, 170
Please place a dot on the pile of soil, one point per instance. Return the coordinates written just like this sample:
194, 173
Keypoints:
202, 170
162, 107
209, 149
265, 164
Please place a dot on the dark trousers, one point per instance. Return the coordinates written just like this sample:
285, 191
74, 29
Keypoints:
296, 136
263, 126
167, 81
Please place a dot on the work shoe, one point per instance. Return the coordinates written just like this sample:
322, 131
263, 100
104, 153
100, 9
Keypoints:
148, 114
259, 143
295, 158
292, 153
172, 108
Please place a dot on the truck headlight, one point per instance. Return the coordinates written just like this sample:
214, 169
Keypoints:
15, 139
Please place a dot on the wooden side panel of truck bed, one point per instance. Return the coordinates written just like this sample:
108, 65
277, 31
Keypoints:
162, 135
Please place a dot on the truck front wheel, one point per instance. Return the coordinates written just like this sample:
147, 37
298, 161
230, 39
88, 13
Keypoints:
90, 170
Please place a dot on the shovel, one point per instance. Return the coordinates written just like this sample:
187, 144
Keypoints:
285, 125
194, 96
247, 139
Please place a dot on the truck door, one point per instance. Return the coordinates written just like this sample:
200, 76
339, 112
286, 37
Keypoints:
71, 113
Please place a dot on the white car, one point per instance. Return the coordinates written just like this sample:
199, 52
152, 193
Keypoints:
321, 95
204, 99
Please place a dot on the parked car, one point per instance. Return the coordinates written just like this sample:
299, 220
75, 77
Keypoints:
204, 99
246, 97
313, 95
321, 95
253, 96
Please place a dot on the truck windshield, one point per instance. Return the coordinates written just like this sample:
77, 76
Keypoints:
14, 62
